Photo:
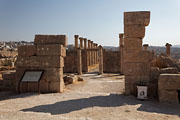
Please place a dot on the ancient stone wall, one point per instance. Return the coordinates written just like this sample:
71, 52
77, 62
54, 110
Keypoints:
70, 61
46, 54
89, 56
111, 62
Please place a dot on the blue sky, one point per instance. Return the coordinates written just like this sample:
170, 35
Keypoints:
97, 20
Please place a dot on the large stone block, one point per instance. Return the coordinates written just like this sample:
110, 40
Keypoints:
169, 82
56, 87
134, 31
40, 62
132, 44
50, 39
136, 79
53, 74
139, 17
137, 69
44, 86
27, 50
27, 62
141, 56
51, 50
168, 96
33, 87
50, 61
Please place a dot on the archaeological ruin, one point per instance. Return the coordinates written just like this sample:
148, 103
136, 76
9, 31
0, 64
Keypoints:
140, 65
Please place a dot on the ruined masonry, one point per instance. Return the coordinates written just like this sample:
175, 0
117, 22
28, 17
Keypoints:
83, 57
137, 62
46, 54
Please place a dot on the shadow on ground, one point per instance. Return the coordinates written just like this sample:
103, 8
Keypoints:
113, 100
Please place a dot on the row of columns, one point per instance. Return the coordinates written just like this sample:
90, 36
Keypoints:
92, 52
88, 44
168, 48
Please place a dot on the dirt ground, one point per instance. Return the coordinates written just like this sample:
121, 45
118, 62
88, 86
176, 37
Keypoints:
100, 97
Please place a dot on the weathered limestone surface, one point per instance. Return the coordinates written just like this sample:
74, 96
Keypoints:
51, 50
168, 96
70, 61
137, 63
140, 17
26, 51
168, 85
132, 44
48, 55
137, 57
50, 39
111, 62
134, 30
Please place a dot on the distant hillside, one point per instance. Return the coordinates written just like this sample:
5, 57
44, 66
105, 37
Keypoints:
177, 46
175, 50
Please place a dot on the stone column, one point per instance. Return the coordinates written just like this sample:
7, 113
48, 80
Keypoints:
92, 53
89, 52
145, 46
85, 43
95, 54
81, 42
168, 49
79, 61
121, 48
76, 37
100, 60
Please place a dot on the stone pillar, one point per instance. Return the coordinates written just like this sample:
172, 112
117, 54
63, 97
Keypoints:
145, 46
89, 52
95, 54
81, 42
85, 43
121, 48
168, 49
100, 60
92, 53
137, 62
79, 61
76, 37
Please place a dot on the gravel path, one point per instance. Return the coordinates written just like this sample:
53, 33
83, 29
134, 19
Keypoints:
100, 97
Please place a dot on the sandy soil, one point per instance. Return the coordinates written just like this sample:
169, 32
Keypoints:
100, 97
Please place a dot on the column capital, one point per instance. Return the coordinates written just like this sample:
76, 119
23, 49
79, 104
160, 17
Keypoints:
146, 45
85, 39
81, 38
76, 36
121, 35
167, 44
